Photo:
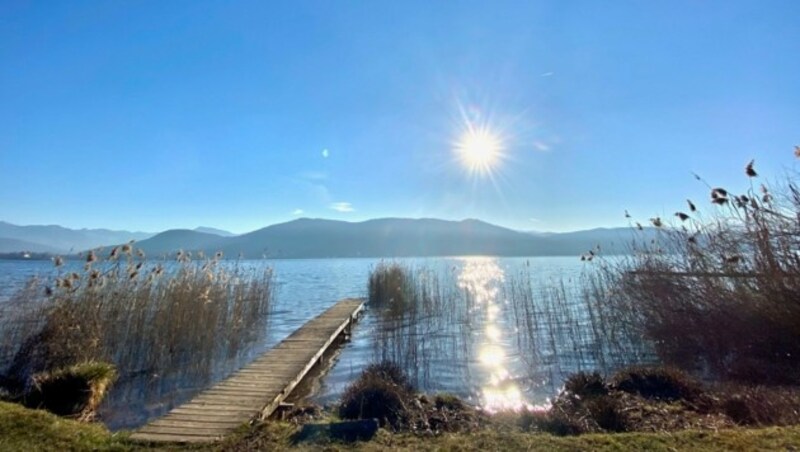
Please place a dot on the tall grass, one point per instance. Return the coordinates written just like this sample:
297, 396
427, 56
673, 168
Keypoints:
566, 325
160, 324
421, 325
432, 325
719, 291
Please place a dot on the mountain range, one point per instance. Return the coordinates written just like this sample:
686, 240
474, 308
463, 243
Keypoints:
320, 238
388, 237
55, 239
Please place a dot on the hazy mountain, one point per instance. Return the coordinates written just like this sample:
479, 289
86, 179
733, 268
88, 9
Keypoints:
615, 240
169, 242
215, 231
388, 237
61, 240
14, 245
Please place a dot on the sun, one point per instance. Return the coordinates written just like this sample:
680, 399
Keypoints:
479, 150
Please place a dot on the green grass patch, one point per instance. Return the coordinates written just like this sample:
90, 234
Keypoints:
277, 436
74, 391
23, 429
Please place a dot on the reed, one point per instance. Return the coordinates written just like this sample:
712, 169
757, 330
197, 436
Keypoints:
717, 291
422, 325
162, 325
714, 293
567, 325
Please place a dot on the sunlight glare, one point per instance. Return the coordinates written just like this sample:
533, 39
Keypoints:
479, 150
481, 279
492, 356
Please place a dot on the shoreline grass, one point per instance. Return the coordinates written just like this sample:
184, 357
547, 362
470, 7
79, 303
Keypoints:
25, 429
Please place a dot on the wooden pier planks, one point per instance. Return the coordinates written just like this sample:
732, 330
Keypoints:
256, 390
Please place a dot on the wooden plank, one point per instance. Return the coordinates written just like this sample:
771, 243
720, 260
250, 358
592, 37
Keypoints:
203, 416
253, 381
223, 391
230, 399
223, 409
198, 419
244, 413
195, 423
206, 430
163, 438
257, 389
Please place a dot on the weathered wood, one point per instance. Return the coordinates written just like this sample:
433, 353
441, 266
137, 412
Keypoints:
256, 390
223, 409
207, 430
201, 416
197, 419
194, 423
165, 438
210, 411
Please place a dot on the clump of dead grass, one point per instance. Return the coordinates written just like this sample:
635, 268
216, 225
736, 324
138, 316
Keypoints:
648, 399
74, 391
383, 392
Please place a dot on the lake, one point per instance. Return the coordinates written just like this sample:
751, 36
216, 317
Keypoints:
474, 349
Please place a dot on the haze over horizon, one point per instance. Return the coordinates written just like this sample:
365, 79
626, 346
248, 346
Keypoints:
217, 230
546, 116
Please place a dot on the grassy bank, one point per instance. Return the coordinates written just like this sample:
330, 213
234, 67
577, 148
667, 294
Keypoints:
31, 430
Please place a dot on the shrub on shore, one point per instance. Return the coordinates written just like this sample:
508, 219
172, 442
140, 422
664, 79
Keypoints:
662, 383
585, 385
383, 392
716, 291
649, 399
74, 391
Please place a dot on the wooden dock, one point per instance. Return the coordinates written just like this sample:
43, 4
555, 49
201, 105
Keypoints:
256, 390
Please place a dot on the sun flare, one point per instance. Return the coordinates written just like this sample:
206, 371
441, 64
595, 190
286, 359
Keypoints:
479, 150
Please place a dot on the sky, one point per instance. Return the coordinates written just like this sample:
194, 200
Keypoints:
151, 115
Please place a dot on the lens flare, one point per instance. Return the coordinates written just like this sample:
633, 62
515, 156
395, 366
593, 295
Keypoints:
479, 150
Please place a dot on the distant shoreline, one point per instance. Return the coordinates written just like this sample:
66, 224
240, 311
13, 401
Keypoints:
72, 258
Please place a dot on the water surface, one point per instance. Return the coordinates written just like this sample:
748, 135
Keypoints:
471, 349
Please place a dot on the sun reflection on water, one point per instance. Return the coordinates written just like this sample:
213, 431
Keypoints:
481, 278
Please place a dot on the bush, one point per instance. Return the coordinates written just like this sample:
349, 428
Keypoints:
586, 385
550, 422
606, 411
758, 405
74, 391
717, 290
381, 392
657, 383
448, 402
390, 372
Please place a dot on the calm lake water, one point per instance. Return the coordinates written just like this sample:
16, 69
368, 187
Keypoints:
473, 349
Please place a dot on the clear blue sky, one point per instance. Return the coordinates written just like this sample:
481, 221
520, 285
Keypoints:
153, 115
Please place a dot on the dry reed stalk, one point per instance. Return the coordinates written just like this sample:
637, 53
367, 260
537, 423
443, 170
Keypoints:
161, 325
